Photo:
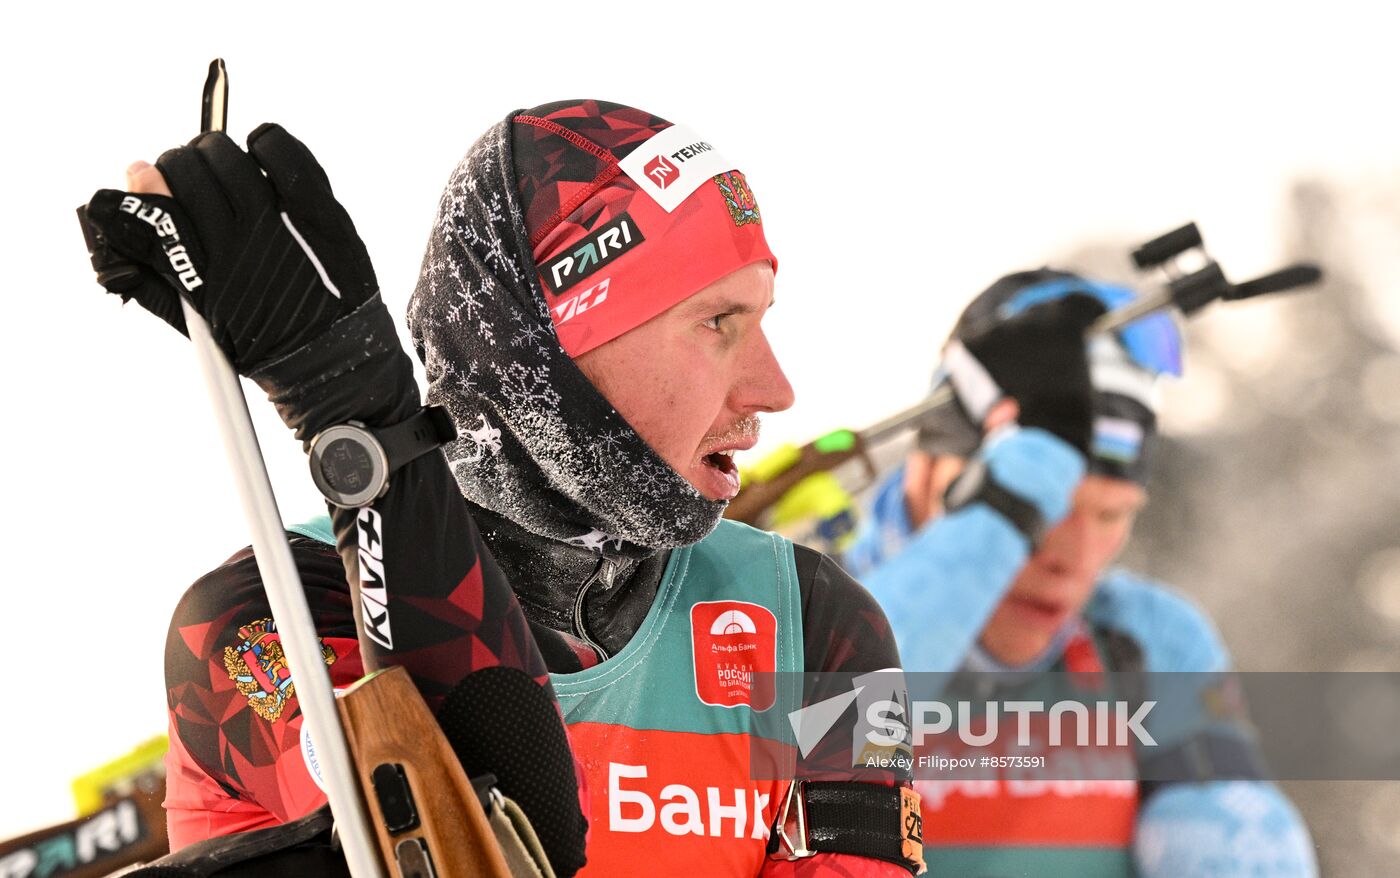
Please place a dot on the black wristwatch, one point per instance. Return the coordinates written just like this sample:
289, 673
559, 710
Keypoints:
351, 463
976, 484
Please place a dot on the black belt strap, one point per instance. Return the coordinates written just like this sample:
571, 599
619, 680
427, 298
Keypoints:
861, 819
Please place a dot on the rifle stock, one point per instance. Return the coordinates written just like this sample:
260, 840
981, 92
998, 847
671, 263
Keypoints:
435, 815
768, 482
756, 497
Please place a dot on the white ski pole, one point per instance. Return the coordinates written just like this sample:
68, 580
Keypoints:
279, 574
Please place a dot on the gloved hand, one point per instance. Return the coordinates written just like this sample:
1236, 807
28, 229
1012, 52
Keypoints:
1038, 357
258, 244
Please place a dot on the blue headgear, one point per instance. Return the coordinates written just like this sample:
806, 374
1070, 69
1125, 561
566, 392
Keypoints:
1124, 368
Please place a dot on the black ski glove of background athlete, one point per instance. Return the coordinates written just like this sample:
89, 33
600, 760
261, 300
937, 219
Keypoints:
1040, 358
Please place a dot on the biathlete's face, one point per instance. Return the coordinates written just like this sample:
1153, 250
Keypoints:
1059, 578
692, 380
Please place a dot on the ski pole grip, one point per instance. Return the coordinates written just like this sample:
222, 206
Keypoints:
1162, 248
213, 108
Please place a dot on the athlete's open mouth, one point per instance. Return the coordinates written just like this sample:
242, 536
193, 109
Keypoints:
719, 477
722, 461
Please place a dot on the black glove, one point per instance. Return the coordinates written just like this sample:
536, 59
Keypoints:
1040, 358
257, 243
229, 243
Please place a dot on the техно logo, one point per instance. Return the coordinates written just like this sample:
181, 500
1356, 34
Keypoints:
661, 171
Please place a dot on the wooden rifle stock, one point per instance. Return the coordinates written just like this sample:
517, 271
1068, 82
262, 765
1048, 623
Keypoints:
829, 452
756, 498
422, 805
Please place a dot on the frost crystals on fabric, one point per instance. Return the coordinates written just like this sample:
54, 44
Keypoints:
538, 443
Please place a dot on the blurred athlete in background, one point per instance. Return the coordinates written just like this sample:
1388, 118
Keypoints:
990, 550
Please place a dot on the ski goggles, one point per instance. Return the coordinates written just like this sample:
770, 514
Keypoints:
1152, 342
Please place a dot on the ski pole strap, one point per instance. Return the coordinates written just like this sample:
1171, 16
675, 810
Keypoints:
849, 817
1203, 757
977, 484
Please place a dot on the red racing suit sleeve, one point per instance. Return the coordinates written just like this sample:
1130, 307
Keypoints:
426, 595
236, 751
235, 760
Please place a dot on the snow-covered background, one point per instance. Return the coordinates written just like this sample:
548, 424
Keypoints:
904, 155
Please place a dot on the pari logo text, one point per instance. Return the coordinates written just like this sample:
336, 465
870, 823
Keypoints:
175, 251
600, 248
98, 837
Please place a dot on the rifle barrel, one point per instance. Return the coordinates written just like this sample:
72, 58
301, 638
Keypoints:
942, 395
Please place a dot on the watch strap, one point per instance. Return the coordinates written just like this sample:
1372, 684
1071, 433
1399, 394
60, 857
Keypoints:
875, 820
427, 429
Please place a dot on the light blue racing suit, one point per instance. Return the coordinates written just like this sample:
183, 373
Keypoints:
940, 584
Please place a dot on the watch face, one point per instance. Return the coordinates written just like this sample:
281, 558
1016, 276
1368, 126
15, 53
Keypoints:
347, 465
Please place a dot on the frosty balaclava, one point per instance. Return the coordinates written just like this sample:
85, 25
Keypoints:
557, 233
